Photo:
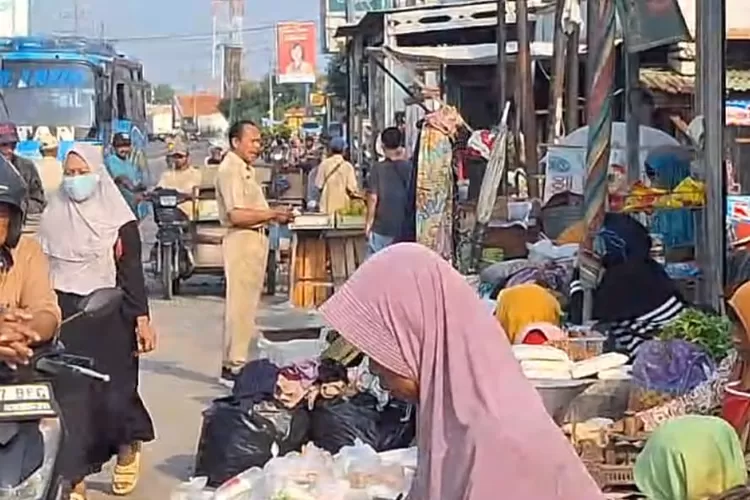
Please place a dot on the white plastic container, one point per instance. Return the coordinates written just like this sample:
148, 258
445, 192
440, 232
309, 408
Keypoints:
291, 351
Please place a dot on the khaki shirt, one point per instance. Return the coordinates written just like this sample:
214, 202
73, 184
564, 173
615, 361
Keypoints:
27, 285
183, 181
51, 172
236, 187
336, 179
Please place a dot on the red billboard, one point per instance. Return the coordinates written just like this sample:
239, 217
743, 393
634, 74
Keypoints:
296, 51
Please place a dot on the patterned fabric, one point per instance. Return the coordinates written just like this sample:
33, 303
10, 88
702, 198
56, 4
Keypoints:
673, 366
434, 200
704, 399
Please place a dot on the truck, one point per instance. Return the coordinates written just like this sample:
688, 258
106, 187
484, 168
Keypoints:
160, 122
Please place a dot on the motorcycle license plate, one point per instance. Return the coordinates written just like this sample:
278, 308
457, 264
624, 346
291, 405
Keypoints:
27, 400
168, 201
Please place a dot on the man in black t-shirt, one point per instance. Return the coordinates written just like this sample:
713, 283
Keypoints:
388, 197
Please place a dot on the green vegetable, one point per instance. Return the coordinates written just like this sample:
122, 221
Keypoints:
706, 330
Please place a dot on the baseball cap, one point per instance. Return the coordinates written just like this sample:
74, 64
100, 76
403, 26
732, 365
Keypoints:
48, 141
8, 133
337, 143
121, 139
179, 148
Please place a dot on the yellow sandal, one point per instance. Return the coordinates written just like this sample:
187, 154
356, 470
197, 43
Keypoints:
78, 492
125, 477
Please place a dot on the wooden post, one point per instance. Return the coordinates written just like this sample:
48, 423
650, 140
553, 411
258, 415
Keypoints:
501, 77
557, 86
712, 46
572, 81
527, 109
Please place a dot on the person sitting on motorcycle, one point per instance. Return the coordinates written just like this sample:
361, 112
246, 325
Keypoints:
215, 154
127, 176
30, 314
182, 177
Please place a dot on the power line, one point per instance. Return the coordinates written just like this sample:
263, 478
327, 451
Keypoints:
189, 36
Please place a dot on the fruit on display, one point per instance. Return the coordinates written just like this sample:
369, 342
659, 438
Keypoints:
642, 197
355, 208
690, 192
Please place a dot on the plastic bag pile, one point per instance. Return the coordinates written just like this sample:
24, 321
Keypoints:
275, 411
356, 473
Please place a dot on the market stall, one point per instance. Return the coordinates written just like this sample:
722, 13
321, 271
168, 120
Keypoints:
325, 251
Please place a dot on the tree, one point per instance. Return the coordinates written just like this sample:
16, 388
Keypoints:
253, 101
162, 93
337, 82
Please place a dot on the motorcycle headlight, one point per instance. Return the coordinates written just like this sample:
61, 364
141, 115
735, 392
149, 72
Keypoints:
277, 156
168, 201
36, 485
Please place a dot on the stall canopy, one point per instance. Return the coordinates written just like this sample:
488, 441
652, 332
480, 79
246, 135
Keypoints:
465, 55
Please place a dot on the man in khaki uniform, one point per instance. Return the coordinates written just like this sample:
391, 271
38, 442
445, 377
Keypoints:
182, 177
336, 179
243, 209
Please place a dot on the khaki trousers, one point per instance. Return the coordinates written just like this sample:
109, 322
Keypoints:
245, 256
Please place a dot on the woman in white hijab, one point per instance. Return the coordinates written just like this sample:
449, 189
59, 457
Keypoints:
92, 241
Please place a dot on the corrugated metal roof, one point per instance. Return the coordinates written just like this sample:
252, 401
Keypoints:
670, 82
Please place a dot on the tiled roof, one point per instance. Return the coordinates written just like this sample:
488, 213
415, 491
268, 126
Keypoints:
670, 82
198, 104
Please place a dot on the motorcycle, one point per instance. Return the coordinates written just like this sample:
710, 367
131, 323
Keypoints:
173, 257
31, 427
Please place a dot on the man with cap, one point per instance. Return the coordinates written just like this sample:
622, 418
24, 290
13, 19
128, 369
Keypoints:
35, 200
336, 179
49, 167
182, 176
127, 176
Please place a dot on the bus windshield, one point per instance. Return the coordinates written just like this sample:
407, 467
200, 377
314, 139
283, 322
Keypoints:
52, 94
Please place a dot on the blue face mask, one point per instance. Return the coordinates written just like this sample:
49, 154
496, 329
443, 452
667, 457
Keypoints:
80, 187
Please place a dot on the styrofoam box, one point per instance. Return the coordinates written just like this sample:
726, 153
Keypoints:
290, 351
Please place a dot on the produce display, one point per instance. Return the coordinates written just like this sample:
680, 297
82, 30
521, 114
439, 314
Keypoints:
689, 193
712, 332
547, 362
355, 208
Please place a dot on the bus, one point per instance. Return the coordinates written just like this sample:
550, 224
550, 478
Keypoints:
75, 88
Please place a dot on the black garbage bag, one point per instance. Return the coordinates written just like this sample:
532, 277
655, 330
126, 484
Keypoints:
339, 422
238, 434
397, 426
336, 423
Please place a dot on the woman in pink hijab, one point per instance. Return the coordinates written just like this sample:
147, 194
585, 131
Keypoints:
482, 432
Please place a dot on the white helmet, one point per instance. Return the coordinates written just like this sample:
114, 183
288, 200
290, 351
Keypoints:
218, 144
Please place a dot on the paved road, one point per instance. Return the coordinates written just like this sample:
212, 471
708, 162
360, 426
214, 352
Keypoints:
179, 380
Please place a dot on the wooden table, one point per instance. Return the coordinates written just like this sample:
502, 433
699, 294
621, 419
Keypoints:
323, 258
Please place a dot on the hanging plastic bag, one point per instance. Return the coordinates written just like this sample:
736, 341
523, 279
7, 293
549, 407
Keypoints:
238, 434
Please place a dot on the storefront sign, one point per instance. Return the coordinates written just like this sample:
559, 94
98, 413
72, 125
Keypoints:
652, 23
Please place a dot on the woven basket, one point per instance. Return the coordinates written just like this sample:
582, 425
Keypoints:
611, 476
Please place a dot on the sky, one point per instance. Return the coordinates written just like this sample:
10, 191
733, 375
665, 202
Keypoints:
182, 63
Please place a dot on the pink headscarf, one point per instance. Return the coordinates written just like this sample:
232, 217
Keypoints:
483, 431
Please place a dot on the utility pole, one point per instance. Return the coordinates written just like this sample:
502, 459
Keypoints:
501, 72
75, 17
527, 108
